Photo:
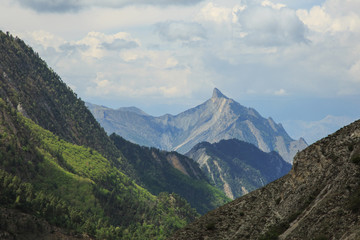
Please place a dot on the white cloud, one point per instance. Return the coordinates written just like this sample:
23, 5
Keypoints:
271, 25
44, 38
247, 48
181, 31
333, 16
214, 13
278, 6
97, 44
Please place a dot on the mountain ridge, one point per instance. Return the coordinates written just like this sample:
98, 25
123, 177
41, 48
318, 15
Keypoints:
217, 118
238, 167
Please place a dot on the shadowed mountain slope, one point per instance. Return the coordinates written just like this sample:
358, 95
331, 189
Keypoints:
238, 167
161, 171
218, 118
318, 199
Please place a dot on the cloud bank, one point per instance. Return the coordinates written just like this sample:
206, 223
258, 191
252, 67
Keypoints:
63, 6
181, 31
274, 49
270, 25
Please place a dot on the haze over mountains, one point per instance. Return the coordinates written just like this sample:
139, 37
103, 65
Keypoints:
216, 119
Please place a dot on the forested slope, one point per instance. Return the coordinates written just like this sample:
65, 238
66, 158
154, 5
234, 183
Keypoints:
76, 188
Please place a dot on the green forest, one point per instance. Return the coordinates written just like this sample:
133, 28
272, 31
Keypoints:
76, 188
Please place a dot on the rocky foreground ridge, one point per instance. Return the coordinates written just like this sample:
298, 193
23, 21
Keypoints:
318, 199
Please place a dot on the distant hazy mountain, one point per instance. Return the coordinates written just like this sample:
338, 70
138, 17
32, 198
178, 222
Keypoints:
313, 131
218, 118
237, 167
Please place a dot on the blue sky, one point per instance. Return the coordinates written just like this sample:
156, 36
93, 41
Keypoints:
297, 61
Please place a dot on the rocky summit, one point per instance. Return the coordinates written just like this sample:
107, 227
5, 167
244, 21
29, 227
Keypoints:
218, 118
318, 199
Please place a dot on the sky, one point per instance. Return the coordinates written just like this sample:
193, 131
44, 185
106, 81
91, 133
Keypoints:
297, 61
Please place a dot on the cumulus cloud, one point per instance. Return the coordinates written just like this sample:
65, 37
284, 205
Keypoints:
252, 48
181, 31
273, 5
119, 44
62, 6
94, 44
333, 16
215, 13
335, 26
270, 25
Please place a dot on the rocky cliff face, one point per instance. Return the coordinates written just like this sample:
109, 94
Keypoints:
218, 118
237, 167
318, 199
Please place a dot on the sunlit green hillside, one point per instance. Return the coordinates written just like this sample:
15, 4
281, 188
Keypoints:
76, 188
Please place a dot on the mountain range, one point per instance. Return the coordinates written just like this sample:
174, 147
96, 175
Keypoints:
216, 119
238, 167
63, 177
318, 199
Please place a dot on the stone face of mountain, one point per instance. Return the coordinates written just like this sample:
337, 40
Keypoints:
218, 118
318, 199
237, 167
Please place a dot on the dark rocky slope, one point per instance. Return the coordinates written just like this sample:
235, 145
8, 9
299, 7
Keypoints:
318, 199
238, 167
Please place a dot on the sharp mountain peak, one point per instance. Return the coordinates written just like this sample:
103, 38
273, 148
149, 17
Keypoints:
217, 118
217, 94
